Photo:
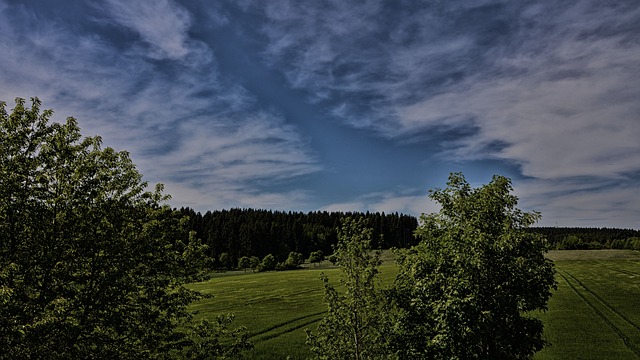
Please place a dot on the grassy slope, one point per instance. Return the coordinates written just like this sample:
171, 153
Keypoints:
276, 307
594, 314
272, 305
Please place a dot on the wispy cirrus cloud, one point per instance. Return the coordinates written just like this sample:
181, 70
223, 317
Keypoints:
573, 202
207, 97
184, 124
565, 109
371, 57
162, 25
407, 201
548, 87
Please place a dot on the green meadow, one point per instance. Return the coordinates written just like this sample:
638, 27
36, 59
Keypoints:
594, 314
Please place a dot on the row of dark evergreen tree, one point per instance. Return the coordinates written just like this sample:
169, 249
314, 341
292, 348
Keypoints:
250, 232
575, 238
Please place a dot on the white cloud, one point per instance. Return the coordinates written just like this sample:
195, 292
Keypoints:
231, 162
162, 24
574, 203
556, 97
555, 93
549, 87
203, 137
405, 201
322, 44
225, 197
554, 126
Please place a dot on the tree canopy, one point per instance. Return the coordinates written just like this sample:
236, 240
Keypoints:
355, 325
467, 290
254, 232
92, 265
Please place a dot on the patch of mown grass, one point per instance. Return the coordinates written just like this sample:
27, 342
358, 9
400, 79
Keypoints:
276, 307
594, 314
269, 304
584, 255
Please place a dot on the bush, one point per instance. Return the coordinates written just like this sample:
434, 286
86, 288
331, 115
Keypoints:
316, 257
226, 261
294, 260
254, 262
268, 263
572, 242
244, 263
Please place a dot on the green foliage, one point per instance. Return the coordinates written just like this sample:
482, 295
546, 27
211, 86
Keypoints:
91, 264
294, 260
244, 263
254, 262
573, 242
590, 238
632, 243
268, 263
355, 326
214, 340
226, 261
251, 232
466, 290
316, 257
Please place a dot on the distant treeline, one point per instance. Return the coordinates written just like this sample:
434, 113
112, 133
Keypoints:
590, 238
249, 232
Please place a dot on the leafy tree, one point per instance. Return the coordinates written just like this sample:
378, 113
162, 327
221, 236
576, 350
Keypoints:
355, 325
294, 260
244, 263
467, 290
316, 257
254, 262
573, 242
226, 261
91, 264
268, 263
210, 340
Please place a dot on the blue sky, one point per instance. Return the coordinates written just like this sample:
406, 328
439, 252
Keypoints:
348, 105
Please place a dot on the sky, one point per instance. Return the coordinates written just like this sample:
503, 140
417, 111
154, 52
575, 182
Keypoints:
343, 105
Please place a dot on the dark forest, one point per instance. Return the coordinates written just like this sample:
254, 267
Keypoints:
251, 232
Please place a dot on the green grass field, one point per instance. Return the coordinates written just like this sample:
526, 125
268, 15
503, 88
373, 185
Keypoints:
594, 314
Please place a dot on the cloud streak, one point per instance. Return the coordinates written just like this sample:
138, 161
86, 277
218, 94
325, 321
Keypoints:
162, 25
185, 125
208, 98
547, 87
